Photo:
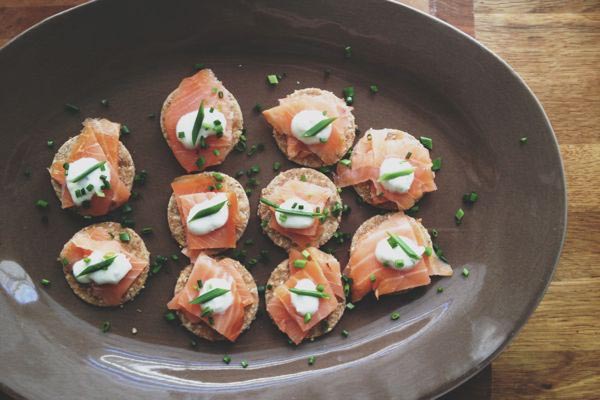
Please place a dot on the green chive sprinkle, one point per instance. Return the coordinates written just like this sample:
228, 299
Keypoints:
408, 155
349, 95
427, 142
374, 88
124, 237
300, 263
104, 102
252, 262
471, 197
105, 326
350, 306
345, 162
125, 130
307, 317
436, 164
458, 217
466, 272
311, 293
523, 140
347, 51
276, 166
440, 289
41, 204
226, 359
311, 360
272, 79
372, 277
345, 333
198, 66
318, 127
71, 108
257, 108
50, 143
200, 162
244, 364
208, 296
216, 152
428, 251
395, 315
434, 233
320, 287
170, 316
45, 282
146, 231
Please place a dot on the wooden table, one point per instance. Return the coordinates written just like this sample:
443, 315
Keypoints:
555, 46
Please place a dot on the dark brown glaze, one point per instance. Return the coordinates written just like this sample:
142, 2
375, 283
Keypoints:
434, 81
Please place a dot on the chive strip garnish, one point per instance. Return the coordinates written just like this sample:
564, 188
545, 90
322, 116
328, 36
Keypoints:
289, 212
318, 127
311, 293
104, 264
208, 211
88, 171
208, 296
393, 175
198, 123
399, 242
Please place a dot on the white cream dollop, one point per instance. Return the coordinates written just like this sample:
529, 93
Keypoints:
91, 184
204, 225
111, 275
212, 123
305, 304
389, 256
295, 221
219, 304
400, 184
305, 120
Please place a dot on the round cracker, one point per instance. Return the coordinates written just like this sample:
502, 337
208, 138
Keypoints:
126, 168
330, 225
312, 160
363, 189
135, 246
237, 118
278, 277
201, 329
230, 184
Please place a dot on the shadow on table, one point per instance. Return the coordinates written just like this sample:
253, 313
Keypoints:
476, 388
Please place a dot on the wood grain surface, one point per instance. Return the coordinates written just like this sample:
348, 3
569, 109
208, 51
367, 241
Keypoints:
555, 46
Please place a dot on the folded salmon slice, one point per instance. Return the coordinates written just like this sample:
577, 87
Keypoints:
230, 323
99, 239
99, 139
363, 264
280, 118
190, 190
280, 306
202, 86
306, 191
367, 156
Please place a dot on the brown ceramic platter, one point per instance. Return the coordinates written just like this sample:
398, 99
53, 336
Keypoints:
433, 80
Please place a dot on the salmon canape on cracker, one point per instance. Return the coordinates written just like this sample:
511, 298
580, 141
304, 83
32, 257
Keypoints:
295, 208
389, 169
105, 264
207, 212
391, 253
93, 172
215, 299
201, 121
304, 294
312, 127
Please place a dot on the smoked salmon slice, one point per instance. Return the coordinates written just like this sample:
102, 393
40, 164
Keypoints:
229, 323
280, 118
190, 190
99, 139
368, 155
201, 87
99, 238
321, 269
309, 192
368, 274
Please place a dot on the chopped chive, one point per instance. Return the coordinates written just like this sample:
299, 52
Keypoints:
260, 288
272, 79
523, 140
198, 123
305, 254
440, 289
255, 169
240, 173
104, 102
124, 237
244, 364
140, 177
349, 95
198, 66
276, 166
218, 177
345, 162
45, 282
105, 327
428, 251
257, 108
471, 197
126, 209
303, 178
311, 293
216, 152
350, 306
347, 51
434, 233
206, 297
226, 359
311, 360
71, 108
307, 317
465, 272
41, 204
220, 94
408, 155
372, 278
395, 315
300, 263
200, 162
50, 143
318, 127
458, 217
151, 116
170, 316
174, 257
125, 130
345, 333
374, 89
88, 171
320, 287
146, 230
252, 262
393, 175
249, 242
436, 164
427, 142
213, 90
